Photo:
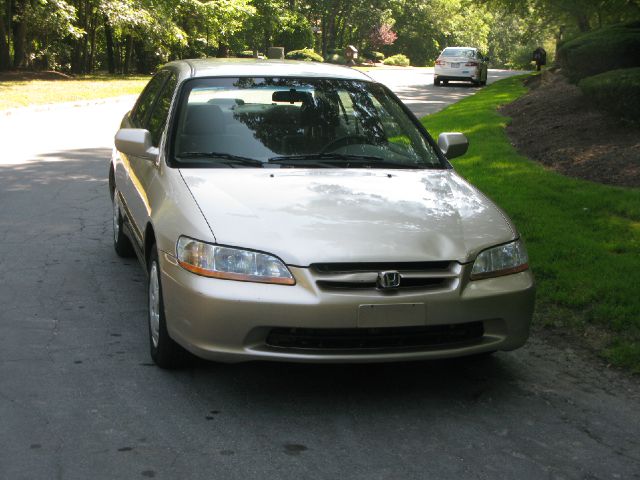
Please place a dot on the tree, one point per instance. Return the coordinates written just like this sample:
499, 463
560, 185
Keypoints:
381, 35
82, 36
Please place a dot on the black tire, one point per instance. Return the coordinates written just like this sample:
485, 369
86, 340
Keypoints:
436, 82
121, 243
165, 352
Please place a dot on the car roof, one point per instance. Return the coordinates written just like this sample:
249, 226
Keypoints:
240, 67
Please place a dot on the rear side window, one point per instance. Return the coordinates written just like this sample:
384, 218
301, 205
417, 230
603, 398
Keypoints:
147, 98
160, 112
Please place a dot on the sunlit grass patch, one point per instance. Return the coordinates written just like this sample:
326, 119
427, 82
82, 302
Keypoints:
20, 93
583, 238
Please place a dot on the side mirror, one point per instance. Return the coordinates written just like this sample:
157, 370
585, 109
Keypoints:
453, 144
136, 142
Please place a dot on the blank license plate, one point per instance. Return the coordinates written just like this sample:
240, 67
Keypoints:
394, 315
455, 65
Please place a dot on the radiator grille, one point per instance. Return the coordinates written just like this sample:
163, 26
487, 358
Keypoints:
364, 276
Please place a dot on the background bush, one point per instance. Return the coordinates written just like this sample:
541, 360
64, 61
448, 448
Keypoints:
605, 49
398, 60
305, 54
245, 54
373, 56
335, 58
521, 58
617, 91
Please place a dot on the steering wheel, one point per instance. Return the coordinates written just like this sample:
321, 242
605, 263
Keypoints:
344, 141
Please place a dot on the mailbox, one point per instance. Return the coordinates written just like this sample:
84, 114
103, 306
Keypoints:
540, 57
350, 54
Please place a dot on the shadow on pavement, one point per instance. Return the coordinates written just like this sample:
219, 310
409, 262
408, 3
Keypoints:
328, 386
57, 167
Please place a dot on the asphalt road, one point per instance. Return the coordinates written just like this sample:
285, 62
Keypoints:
416, 89
80, 399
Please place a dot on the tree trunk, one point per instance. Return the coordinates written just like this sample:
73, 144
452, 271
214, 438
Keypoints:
19, 29
331, 33
323, 26
92, 50
127, 54
118, 56
108, 35
5, 55
583, 22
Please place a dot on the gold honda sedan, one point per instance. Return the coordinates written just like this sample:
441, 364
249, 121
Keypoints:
298, 211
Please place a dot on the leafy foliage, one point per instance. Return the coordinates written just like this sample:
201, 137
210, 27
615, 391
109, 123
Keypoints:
617, 91
605, 49
245, 54
382, 35
336, 58
375, 56
397, 60
294, 32
122, 36
305, 54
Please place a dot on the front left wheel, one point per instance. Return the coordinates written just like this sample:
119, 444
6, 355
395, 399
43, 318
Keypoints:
165, 352
121, 243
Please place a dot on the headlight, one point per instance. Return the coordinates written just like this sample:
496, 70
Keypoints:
501, 260
231, 263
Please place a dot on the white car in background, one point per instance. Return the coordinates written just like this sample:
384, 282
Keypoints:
464, 64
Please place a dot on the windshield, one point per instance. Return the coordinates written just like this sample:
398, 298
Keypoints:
292, 122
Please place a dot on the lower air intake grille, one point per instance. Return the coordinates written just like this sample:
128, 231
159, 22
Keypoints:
396, 338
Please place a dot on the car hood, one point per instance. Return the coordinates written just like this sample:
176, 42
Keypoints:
306, 216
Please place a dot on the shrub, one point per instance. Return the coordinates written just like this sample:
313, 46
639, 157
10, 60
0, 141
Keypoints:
520, 58
306, 54
245, 54
608, 48
397, 60
374, 56
335, 58
617, 91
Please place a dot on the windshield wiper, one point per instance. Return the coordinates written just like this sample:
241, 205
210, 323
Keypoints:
228, 159
329, 160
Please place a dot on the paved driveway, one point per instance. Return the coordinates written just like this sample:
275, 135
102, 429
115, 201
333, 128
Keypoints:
80, 399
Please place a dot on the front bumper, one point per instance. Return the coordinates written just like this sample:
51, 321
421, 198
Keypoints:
232, 321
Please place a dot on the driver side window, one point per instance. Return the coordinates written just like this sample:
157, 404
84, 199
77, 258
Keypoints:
158, 117
148, 96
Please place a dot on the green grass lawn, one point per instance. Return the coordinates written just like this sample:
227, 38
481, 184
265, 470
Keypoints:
583, 238
20, 93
